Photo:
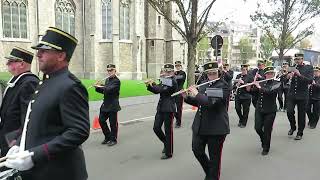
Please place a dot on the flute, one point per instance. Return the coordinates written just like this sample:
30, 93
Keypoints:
185, 90
99, 81
249, 84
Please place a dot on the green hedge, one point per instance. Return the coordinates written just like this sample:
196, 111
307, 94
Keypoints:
129, 88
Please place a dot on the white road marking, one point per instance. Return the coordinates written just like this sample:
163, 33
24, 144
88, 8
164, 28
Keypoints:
144, 119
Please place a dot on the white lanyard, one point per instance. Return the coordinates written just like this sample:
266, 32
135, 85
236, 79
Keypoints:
10, 85
24, 131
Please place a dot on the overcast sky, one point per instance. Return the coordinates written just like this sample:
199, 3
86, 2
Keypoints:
239, 11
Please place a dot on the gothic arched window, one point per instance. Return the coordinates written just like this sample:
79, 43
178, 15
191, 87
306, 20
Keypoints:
14, 16
65, 15
106, 6
125, 19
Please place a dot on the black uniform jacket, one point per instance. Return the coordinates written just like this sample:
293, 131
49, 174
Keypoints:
314, 90
59, 124
242, 93
284, 81
180, 78
267, 95
14, 106
299, 84
111, 91
255, 71
212, 116
228, 76
166, 102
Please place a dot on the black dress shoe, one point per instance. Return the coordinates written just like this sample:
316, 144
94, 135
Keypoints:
298, 137
106, 141
177, 126
290, 133
264, 152
242, 126
164, 156
239, 124
312, 127
112, 143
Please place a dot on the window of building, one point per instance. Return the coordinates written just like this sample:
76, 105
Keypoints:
125, 19
14, 15
152, 43
106, 10
159, 20
65, 15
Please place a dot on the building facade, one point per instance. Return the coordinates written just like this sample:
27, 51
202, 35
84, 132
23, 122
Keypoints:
232, 33
127, 33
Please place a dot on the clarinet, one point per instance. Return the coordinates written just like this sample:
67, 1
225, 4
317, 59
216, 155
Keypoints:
290, 80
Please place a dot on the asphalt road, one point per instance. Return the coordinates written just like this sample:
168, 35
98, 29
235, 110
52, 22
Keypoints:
137, 155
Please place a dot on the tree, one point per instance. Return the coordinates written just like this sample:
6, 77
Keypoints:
246, 51
202, 48
193, 20
305, 44
266, 47
287, 18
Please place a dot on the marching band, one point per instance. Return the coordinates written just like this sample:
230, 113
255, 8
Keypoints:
300, 86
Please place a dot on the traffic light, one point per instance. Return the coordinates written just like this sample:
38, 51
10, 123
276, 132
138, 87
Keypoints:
217, 53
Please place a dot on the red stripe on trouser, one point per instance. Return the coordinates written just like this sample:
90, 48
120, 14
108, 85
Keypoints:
171, 132
221, 147
181, 108
117, 126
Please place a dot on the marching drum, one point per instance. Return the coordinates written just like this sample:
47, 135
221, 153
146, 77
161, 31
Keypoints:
11, 174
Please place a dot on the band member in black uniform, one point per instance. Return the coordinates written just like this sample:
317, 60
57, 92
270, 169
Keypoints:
227, 74
110, 106
57, 118
16, 97
313, 108
211, 122
243, 96
259, 74
284, 88
180, 76
165, 109
299, 79
197, 74
266, 108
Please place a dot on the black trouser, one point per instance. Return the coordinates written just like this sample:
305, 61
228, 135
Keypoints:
167, 137
178, 114
263, 126
254, 100
113, 119
282, 104
302, 106
313, 112
243, 111
212, 164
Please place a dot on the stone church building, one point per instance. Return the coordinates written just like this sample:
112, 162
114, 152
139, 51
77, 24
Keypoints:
128, 33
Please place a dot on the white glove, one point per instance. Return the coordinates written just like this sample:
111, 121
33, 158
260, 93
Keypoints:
21, 161
13, 150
